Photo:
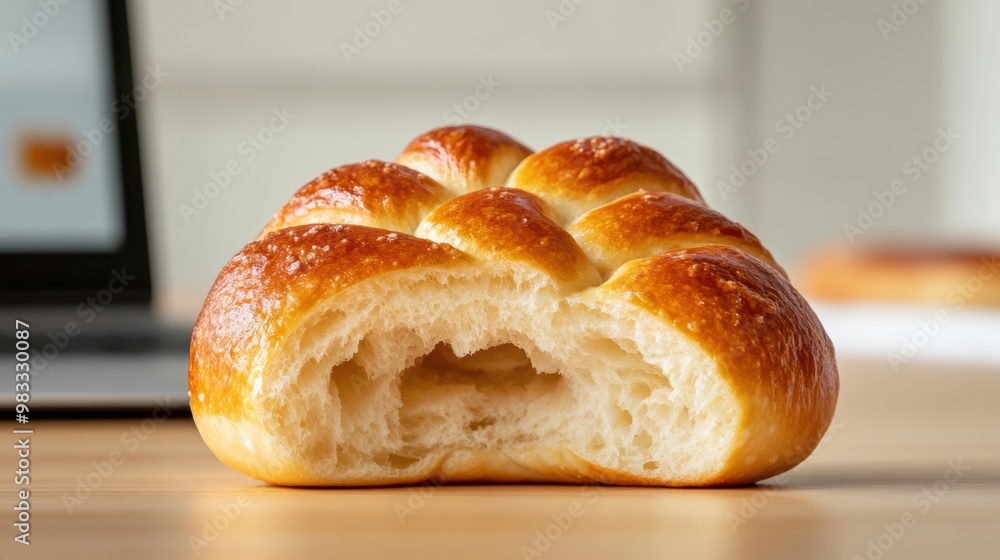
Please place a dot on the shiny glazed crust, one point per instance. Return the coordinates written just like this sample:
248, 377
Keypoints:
755, 324
464, 158
583, 174
597, 229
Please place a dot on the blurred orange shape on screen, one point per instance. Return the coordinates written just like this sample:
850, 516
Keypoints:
46, 156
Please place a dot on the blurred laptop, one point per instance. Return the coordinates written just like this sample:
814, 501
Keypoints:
74, 257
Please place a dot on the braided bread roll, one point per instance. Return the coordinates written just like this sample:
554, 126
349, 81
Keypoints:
591, 320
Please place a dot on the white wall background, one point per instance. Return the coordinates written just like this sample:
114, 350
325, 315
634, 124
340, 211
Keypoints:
887, 106
972, 78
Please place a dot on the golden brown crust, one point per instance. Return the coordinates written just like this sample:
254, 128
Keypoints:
270, 285
372, 193
580, 175
464, 158
643, 224
768, 344
510, 224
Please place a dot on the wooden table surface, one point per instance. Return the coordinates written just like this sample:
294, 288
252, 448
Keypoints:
911, 469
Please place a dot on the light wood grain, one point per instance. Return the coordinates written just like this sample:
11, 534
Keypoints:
893, 439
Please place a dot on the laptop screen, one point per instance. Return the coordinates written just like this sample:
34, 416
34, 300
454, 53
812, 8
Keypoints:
71, 201
59, 168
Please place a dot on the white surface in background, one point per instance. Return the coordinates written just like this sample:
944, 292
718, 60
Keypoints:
966, 336
301, 41
971, 89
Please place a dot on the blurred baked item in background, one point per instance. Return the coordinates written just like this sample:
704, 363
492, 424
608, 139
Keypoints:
904, 272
